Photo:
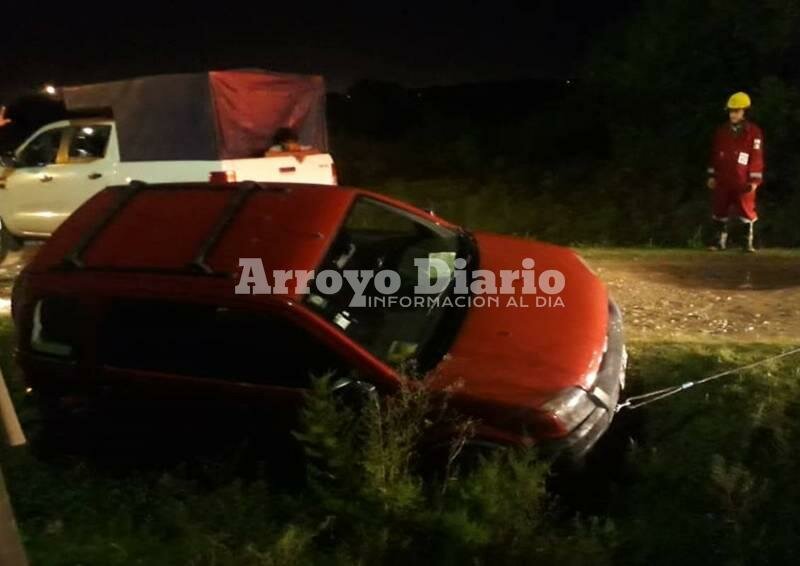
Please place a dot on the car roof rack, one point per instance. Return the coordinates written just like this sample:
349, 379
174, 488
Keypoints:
74, 259
199, 264
240, 196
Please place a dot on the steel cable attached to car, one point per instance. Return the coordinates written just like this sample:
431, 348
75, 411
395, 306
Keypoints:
637, 401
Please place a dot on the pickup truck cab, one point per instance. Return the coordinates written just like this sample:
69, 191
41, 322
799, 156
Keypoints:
195, 127
139, 298
63, 164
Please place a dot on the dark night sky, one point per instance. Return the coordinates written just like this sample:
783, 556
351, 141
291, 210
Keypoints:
415, 44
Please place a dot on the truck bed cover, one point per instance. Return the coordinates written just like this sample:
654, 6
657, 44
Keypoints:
207, 116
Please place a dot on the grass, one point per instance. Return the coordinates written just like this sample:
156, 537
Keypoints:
706, 476
710, 474
603, 208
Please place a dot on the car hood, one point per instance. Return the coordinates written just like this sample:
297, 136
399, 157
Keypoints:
523, 355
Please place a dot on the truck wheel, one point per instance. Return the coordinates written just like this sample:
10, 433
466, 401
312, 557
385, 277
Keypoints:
3, 245
7, 243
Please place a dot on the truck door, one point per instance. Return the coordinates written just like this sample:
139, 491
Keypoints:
31, 196
89, 165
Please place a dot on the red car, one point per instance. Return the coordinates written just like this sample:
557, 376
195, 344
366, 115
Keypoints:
142, 293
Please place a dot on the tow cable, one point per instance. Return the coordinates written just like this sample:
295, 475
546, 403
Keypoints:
637, 401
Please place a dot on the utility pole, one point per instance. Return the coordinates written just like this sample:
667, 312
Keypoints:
8, 417
11, 551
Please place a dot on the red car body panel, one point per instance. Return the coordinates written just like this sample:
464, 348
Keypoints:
511, 354
504, 363
285, 232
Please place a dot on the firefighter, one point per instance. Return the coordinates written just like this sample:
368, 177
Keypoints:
736, 171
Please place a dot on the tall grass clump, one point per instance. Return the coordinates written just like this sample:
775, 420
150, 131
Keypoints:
369, 475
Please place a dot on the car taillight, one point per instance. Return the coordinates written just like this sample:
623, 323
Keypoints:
55, 322
222, 176
570, 408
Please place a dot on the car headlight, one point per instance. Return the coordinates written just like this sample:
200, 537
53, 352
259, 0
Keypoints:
570, 407
591, 377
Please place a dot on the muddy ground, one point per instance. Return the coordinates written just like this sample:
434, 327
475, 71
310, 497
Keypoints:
696, 295
670, 294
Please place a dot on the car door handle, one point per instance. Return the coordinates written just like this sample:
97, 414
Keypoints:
94, 176
45, 178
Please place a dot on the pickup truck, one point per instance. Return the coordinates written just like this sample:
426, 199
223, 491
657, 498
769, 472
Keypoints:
64, 163
215, 126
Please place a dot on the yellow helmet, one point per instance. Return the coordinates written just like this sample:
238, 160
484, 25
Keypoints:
738, 101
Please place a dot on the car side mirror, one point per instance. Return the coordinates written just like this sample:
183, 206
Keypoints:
354, 393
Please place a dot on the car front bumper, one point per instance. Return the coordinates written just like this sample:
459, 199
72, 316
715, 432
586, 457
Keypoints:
604, 393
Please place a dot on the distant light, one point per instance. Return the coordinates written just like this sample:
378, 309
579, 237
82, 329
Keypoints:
569, 82
87, 130
29, 390
50, 89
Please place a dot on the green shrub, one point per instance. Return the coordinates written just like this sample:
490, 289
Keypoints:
382, 509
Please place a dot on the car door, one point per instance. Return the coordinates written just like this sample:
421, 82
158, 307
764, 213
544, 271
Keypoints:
233, 358
31, 198
88, 165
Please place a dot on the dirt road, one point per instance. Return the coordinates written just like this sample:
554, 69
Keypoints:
670, 294
697, 295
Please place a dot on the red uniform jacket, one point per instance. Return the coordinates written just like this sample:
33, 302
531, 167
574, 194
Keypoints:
737, 159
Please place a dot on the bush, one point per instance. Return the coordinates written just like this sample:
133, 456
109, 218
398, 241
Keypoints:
377, 504
370, 498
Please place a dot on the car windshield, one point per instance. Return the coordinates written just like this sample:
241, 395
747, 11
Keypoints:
409, 335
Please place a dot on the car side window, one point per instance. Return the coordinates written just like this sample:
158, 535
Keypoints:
271, 351
368, 215
42, 150
89, 142
210, 342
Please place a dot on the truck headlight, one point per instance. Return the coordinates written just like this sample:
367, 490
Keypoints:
570, 407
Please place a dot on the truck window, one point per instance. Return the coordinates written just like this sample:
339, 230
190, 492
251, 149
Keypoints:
88, 142
42, 150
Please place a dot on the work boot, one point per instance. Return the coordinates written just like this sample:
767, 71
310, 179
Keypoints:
748, 246
721, 238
